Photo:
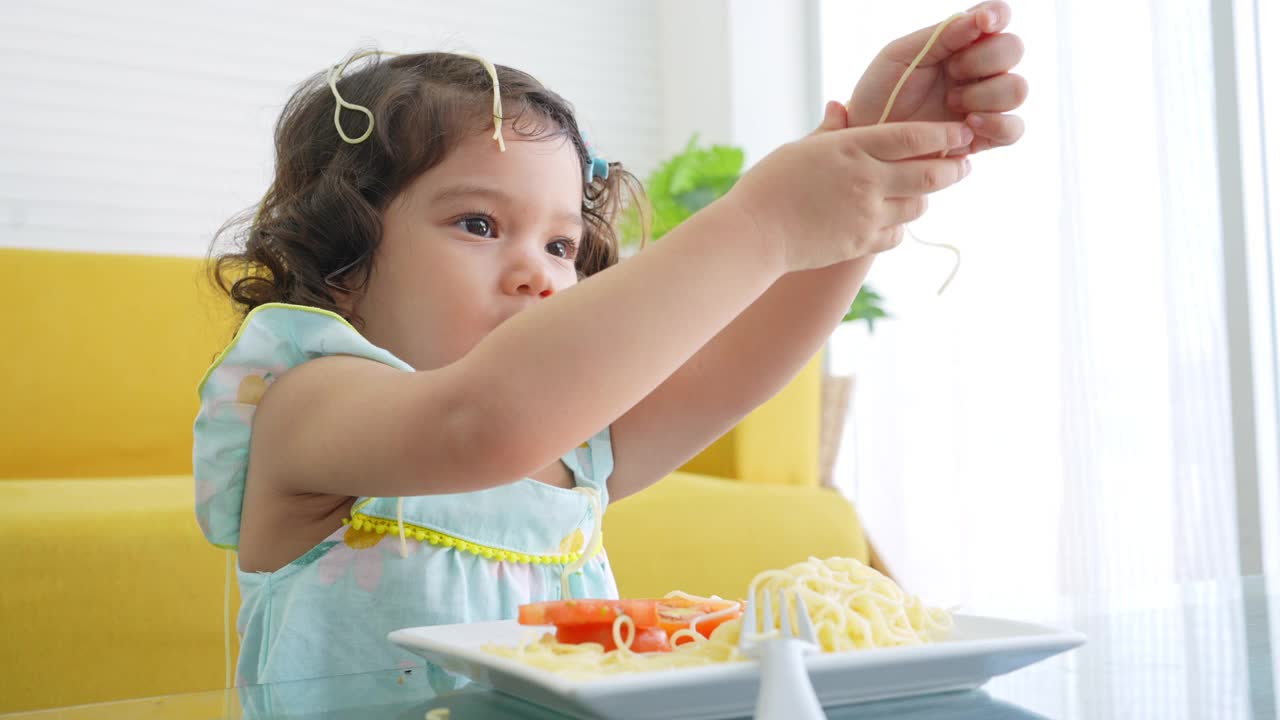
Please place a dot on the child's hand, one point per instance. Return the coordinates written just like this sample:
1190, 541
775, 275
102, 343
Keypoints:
965, 76
840, 194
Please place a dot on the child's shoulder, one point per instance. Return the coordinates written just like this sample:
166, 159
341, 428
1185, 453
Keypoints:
273, 339
276, 337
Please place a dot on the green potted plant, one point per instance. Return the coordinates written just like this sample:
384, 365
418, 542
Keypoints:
691, 180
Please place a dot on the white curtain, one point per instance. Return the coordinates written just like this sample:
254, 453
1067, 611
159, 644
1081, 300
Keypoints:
1058, 422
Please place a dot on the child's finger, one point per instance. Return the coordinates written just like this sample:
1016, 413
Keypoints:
903, 140
902, 210
1001, 93
989, 56
984, 18
996, 129
992, 16
888, 239
834, 117
920, 177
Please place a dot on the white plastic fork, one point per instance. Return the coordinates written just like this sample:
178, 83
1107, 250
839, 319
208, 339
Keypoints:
785, 690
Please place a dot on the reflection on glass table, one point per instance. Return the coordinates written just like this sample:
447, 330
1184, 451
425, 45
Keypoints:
1201, 650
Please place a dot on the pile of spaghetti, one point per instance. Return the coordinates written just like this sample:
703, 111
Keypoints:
851, 607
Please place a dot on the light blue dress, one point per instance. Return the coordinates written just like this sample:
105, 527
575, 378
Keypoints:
468, 557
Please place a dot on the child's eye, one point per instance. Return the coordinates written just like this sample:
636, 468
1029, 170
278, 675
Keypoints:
481, 225
563, 248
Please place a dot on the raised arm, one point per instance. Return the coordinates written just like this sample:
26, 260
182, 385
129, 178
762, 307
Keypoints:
963, 75
761, 350
558, 372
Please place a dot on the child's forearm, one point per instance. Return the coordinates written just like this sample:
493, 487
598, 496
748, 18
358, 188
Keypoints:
743, 366
558, 372
779, 332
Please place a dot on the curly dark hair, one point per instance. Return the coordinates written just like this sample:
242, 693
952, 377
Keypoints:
316, 229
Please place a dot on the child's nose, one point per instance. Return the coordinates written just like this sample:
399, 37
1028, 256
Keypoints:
526, 275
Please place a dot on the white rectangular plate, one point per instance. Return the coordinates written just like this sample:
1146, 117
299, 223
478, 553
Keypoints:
978, 649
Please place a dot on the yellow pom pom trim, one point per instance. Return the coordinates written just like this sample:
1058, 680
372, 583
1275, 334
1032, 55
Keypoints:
365, 523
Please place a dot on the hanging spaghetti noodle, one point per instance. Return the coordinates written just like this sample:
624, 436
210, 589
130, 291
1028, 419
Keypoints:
893, 97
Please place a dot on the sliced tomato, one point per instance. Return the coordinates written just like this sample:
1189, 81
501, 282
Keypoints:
676, 613
644, 613
648, 639
668, 614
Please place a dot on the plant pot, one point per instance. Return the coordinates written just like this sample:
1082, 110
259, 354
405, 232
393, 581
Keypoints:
837, 396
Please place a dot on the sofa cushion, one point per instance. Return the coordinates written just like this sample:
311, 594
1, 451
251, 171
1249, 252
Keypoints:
101, 380
710, 536
110, 592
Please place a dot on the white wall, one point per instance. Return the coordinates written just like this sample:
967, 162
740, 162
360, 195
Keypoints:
745, 72
141, 126
693, 51
776, 73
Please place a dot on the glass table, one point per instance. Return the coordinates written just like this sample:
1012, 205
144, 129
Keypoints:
1200, 650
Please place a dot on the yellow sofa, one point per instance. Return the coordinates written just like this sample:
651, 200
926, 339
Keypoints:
111, 592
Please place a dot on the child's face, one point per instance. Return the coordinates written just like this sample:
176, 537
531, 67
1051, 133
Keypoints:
473, 241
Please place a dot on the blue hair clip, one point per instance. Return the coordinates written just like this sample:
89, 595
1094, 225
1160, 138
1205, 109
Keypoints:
597, 167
